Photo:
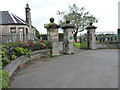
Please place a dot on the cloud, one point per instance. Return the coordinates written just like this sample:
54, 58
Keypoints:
41, 10
119, 15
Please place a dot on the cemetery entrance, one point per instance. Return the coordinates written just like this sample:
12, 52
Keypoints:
83, 38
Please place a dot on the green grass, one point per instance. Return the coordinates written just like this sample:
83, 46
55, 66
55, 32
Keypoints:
77, 45
81, 45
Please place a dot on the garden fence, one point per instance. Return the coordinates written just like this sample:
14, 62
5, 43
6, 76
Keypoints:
8, 37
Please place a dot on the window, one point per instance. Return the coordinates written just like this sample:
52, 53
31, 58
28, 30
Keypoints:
21, 34
26, 31
33, 32
13, 34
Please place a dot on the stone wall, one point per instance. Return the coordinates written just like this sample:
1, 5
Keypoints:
107, 45
11, 67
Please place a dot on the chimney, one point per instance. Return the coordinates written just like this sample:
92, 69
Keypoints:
28, 15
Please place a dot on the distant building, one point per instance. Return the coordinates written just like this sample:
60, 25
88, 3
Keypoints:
13, 28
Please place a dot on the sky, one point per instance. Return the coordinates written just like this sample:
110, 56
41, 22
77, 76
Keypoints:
119, 15
41, 10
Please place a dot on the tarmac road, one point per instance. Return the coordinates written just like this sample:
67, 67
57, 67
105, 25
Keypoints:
84, 69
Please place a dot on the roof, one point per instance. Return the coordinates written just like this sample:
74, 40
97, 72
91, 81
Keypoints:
8, 18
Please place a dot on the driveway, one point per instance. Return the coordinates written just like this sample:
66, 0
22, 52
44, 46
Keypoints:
84, 69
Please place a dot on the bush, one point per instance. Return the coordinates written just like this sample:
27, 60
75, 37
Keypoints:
5, 58
11, 45
33, 46
18, 51
4, 82
12, 50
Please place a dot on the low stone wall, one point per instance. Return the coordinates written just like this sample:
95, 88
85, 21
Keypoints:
105, 45
11, 67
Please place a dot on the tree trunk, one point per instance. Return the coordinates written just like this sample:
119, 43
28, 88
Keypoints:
75, 37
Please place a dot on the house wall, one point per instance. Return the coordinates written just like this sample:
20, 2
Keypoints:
6, 33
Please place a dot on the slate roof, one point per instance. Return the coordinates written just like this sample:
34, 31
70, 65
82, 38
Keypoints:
8, 18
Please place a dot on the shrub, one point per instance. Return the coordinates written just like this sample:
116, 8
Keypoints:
5, 58
4, 82
18, 51
33, 46
12, 50
11, 45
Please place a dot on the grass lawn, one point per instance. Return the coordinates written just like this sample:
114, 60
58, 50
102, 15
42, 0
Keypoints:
81, 45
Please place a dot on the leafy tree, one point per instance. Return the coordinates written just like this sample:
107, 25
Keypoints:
78, 17
37, 33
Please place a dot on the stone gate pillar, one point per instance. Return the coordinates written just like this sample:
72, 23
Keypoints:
118, 33
91, 36
52, 33
68, 43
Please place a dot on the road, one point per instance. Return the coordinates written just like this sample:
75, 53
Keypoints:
84, 69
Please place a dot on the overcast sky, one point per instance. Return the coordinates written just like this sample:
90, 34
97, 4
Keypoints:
41, 10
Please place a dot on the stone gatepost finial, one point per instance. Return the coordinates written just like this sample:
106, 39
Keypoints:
91, 23
91, 26
68, 42
51, 19
91, 36
67, 21
52, 33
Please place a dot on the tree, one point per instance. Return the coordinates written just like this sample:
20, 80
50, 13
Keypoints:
78, 17
37, 33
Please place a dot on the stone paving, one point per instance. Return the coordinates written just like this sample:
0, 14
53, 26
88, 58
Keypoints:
84, 69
